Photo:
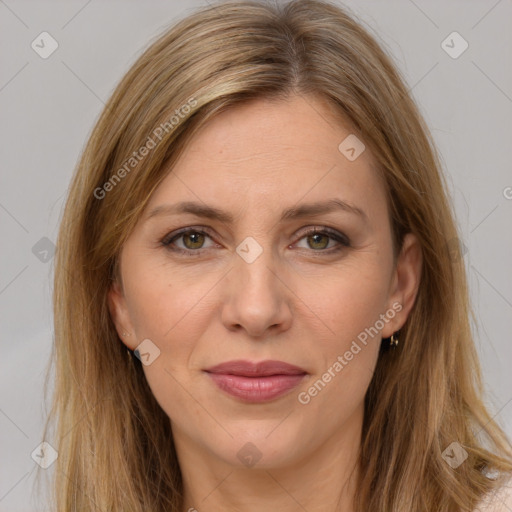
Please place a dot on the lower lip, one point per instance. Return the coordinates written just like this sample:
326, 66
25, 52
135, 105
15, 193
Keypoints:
256, 389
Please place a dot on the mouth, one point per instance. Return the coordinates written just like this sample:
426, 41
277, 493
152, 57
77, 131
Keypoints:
256, 381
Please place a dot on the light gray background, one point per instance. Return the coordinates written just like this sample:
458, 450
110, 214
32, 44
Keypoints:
50, 105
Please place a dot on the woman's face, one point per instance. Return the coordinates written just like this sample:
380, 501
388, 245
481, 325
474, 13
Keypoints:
224, 266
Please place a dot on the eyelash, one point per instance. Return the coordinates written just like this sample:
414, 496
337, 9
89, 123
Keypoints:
168, 240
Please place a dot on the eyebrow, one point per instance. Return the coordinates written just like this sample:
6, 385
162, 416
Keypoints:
294, 212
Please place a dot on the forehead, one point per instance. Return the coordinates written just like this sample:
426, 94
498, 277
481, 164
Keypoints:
271, 149
262, 129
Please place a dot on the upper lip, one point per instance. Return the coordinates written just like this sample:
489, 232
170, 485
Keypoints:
256, 369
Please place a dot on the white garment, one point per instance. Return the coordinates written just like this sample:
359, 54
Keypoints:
499, 500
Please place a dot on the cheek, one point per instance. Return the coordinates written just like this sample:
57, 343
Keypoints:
348, 309
347, 301
164, 304
172, 309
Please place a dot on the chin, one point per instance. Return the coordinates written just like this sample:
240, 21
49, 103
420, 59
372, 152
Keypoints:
260, 449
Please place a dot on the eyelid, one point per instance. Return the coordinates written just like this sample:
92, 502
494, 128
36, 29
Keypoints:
338, 236
169, 237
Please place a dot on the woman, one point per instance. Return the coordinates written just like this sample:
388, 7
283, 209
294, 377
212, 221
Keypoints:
259, 299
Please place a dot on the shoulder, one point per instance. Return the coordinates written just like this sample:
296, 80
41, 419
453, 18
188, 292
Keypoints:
499, 500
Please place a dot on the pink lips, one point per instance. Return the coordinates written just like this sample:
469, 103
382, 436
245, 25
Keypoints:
256, 382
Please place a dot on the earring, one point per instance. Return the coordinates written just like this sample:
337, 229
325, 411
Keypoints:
393, 341
129, 353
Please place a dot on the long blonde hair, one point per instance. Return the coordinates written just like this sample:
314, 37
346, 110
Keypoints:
115, 444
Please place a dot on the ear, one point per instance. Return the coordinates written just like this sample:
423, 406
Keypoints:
120, 316
405, 283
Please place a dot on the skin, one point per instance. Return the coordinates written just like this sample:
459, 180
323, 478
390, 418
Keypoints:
298, 302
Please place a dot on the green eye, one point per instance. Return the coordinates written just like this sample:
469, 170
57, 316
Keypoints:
323, 240
188, 240
318, 241
193, 240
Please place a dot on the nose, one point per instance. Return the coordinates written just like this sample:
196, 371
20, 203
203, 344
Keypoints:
256, 298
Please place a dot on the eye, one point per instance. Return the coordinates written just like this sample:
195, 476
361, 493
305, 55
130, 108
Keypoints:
324, 239
187, 240
194, 240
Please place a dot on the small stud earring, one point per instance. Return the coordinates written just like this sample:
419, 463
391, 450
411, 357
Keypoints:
126, 334
130, 354
393, 341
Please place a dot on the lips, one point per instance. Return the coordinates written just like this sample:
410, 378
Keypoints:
254, 369
256, 381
